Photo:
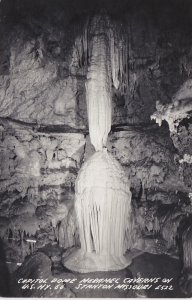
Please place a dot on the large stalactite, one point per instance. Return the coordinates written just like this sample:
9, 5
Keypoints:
98, 88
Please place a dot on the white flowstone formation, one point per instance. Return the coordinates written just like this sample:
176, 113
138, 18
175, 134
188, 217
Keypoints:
103, 195
180, 108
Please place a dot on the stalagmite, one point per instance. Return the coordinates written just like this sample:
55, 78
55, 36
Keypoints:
103, 197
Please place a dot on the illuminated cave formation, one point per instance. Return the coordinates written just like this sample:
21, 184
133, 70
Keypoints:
102, 189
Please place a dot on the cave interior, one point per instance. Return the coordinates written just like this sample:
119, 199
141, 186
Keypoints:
45, 138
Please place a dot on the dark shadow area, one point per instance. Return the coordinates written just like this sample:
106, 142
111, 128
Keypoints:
159, 266
5, 278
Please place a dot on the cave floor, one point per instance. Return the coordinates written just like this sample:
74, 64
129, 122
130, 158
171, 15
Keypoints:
145, 265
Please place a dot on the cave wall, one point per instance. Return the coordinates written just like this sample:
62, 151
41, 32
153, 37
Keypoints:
38, 173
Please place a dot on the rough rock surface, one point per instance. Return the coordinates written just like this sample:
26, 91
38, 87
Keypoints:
37, 186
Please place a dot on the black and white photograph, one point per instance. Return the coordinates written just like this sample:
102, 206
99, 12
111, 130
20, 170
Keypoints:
96, 148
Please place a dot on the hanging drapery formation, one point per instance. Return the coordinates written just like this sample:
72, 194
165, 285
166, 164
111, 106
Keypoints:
119, 60
103, 196
117, 39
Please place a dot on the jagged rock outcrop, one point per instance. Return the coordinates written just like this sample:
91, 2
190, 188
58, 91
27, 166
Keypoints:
178, 116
